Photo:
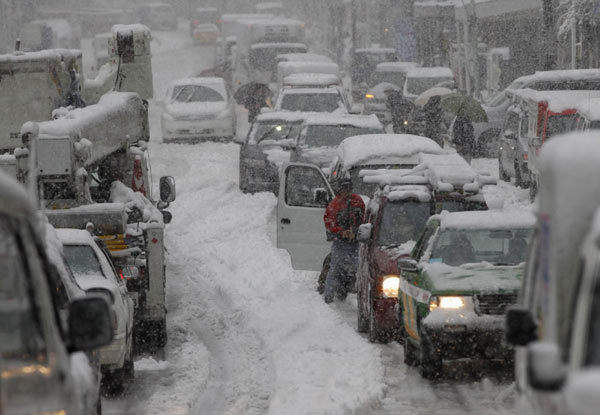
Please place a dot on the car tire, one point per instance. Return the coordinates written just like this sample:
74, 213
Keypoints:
502, 174
430, 363
519, 179
376, 334
410, 351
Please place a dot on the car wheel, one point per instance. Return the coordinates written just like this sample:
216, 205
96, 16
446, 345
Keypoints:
410, 351
501, 172
376, 334
430, 363
519, 179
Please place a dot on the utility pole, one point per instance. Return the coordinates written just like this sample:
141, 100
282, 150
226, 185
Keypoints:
472, 22
548, 34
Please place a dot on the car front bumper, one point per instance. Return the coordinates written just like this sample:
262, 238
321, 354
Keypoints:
195, 129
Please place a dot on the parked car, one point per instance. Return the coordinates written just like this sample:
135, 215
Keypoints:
396, 217
204, 15
331, 99
266, 147
555, 324
198, 108
311, 80
464, 271
95, 273
205, 34
157, 16
419, 80
43, 370
321, 135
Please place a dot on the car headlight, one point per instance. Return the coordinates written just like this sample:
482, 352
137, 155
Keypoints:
369, 96
389, 286
449, 303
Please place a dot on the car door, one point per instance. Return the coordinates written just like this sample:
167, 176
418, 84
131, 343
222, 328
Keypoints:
304, 193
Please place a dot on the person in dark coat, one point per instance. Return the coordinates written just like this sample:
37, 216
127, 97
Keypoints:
464, 136
256, 100
399, 107
434, 125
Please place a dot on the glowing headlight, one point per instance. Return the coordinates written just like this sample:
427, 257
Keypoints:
278, 128
452, 303
389, 286
369, 96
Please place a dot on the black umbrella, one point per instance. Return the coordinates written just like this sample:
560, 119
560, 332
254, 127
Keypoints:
251, 88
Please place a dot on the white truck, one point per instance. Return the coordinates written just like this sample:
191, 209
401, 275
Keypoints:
33, 84
555, 325
259, 42
90, 168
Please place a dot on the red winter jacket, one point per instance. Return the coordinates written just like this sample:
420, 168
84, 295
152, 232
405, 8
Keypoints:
349, 210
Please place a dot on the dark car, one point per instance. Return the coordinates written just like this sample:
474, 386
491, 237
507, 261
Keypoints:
266, 147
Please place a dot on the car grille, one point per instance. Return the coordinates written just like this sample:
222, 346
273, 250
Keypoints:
495, 304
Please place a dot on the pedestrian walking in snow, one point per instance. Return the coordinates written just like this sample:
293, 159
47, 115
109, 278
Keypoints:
342, 219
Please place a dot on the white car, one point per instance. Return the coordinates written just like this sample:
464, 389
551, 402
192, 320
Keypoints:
419, 80
198, 108
95, 274
331, 99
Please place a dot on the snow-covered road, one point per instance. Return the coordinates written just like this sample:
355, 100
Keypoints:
247, 333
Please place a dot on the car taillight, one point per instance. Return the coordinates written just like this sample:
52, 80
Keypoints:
196, 22
525, 156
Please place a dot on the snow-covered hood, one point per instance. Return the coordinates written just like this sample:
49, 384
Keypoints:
474, 278
195, 110
321, 156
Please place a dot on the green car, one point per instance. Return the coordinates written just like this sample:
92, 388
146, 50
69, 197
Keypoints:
464, 271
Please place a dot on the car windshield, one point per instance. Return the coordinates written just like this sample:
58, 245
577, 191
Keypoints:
417, 86
332, 135
83, 260
396, 78
558, 124
273, 131
456, 247
18, 327
402, 222
368, 189
195, 93
265, 59
311, 102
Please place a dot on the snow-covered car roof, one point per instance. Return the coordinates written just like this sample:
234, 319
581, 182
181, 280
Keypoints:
206, 80
75, 237
557, 101
362, 149
403, 192
269, 45
285, 116
15, 200
375, 50
125, 29
327, 90
563, 74
311, 80
308, 67
486, 219
430, 72
360, 121
396, 66
303, 57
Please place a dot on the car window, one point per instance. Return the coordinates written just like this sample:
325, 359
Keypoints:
311, 102
456, 247
524, 126
195, 93
83, 260
558, 124
263, 131
301, 187
332, 135
402, 222
396, 78
20, 331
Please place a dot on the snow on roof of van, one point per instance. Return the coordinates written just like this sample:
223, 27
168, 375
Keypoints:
487, 219
361, 149
15, 200
311, 79
263, 45
557, 101
360, 121
125, 29
327, 90
304, 57
395, 66
419, 192
286, 116
430, 72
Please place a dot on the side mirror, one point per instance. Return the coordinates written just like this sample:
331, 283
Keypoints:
356, 109
321, 196
364, 233
167, 189
581, 397
90, 325
407, 265
167, 216
521, 329
545, 368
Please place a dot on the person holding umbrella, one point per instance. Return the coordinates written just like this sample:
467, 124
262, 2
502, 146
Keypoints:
434, 124
253, 96
464, 135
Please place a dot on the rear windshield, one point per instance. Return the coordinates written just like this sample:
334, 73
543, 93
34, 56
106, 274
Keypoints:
402, 222
264, 131
396, 78
83, 260
311, 102
195, 93
333, 135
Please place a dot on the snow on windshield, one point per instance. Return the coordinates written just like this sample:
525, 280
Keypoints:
83, 261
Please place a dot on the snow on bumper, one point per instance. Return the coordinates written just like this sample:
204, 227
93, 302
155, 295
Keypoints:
465, 334
180, 129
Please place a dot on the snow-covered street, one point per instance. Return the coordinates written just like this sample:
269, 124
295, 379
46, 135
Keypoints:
247, 333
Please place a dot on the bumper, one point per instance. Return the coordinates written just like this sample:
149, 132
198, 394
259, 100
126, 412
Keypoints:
189, 130
385, 311
113, 354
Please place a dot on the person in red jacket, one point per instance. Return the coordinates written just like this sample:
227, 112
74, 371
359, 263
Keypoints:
342, 218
